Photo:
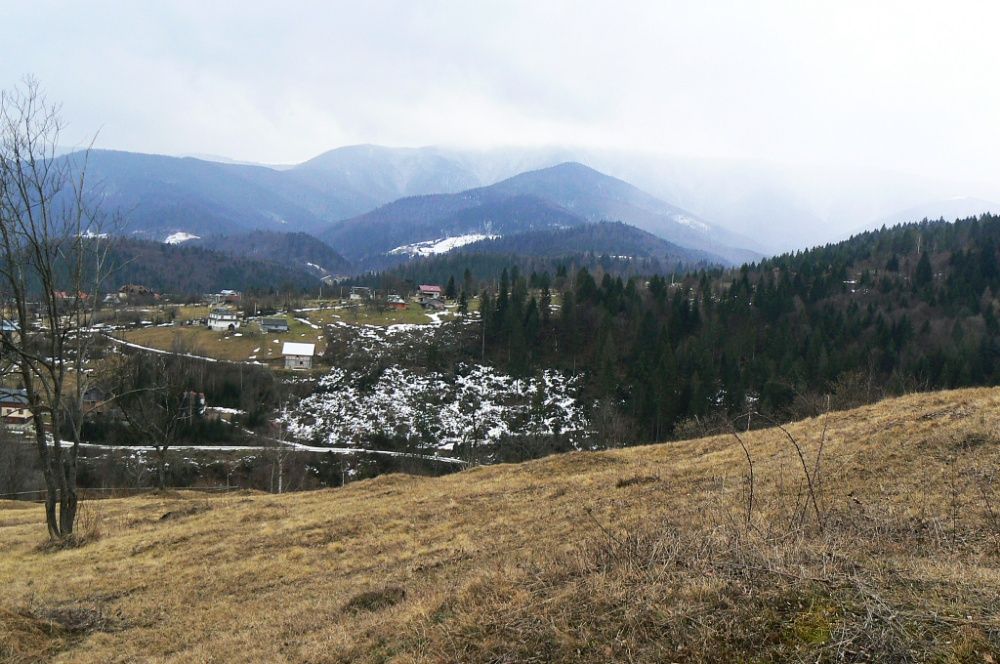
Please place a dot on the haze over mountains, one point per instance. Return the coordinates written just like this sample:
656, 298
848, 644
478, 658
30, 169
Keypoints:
371, 203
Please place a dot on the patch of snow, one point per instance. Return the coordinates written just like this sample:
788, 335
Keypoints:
441, 245
434, 411
179, 237
692, 223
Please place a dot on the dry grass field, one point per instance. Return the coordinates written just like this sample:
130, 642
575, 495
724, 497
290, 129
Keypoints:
250, 345
645, 554
359, 315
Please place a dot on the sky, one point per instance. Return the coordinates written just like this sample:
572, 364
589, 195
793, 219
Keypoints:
905, 86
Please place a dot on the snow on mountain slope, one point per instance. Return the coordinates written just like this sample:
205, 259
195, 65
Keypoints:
180, 236
442, 245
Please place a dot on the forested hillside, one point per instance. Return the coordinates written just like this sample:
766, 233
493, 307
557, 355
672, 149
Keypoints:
292, 249
912, 307
610, 247
190, 270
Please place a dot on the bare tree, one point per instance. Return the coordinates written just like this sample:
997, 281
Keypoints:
53, 259
155, 394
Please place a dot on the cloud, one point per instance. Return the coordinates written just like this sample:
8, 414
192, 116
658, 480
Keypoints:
893, 85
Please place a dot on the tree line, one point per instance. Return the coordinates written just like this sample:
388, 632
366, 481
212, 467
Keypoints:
906, 308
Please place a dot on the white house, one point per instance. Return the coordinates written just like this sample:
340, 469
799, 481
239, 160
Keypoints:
222, 320
298, 357
360, 293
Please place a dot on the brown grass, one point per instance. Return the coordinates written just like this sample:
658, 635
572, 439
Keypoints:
641, 554
223, 345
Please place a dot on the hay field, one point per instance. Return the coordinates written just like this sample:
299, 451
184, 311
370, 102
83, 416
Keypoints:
647, 554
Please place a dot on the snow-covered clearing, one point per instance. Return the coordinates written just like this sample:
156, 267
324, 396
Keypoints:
179, 237
441, 245
476, 405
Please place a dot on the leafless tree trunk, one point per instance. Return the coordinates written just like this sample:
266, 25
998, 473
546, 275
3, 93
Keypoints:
53, 258
157, 398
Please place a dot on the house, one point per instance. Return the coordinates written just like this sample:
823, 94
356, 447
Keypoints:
298, 357
223, 320
9, 328
14, 408
276, 324
427, 292
225, 296
360, 293
396, 302
94, 400
137, 292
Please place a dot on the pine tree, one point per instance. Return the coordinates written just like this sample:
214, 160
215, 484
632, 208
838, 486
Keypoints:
925, 273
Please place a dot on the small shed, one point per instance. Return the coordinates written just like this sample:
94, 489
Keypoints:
396, 302
277, 324
298, 357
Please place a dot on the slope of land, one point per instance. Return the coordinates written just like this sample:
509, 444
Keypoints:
300, 250
188, 268
641, 554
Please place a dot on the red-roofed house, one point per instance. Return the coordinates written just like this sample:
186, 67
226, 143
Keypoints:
429, 292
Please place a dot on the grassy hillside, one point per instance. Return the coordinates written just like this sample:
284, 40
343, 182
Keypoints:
642, 554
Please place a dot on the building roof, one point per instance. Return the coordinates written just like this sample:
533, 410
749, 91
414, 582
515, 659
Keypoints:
11, 395
424, 288
291, 348
280, 320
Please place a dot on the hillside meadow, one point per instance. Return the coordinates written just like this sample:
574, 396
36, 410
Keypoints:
871, 535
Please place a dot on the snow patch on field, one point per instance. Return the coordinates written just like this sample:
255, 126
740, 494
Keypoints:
179, 237
440, 246
476, 405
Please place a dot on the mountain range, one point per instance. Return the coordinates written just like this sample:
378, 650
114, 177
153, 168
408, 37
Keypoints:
377, 205
561, 196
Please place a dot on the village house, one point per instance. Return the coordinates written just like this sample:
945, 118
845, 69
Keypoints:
14, 408
9, 328
137, 292
223, 320
224, 296
395, 301
298, 357
428, 292
360, 293
276, 324
94, 400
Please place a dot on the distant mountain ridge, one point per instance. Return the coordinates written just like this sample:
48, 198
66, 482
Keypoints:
418, 195
561, 196
607, 238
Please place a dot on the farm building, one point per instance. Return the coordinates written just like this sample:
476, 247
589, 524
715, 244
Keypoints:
396, 302
298, 357
277, 324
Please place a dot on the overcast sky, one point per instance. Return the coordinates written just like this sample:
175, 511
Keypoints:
910, 86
